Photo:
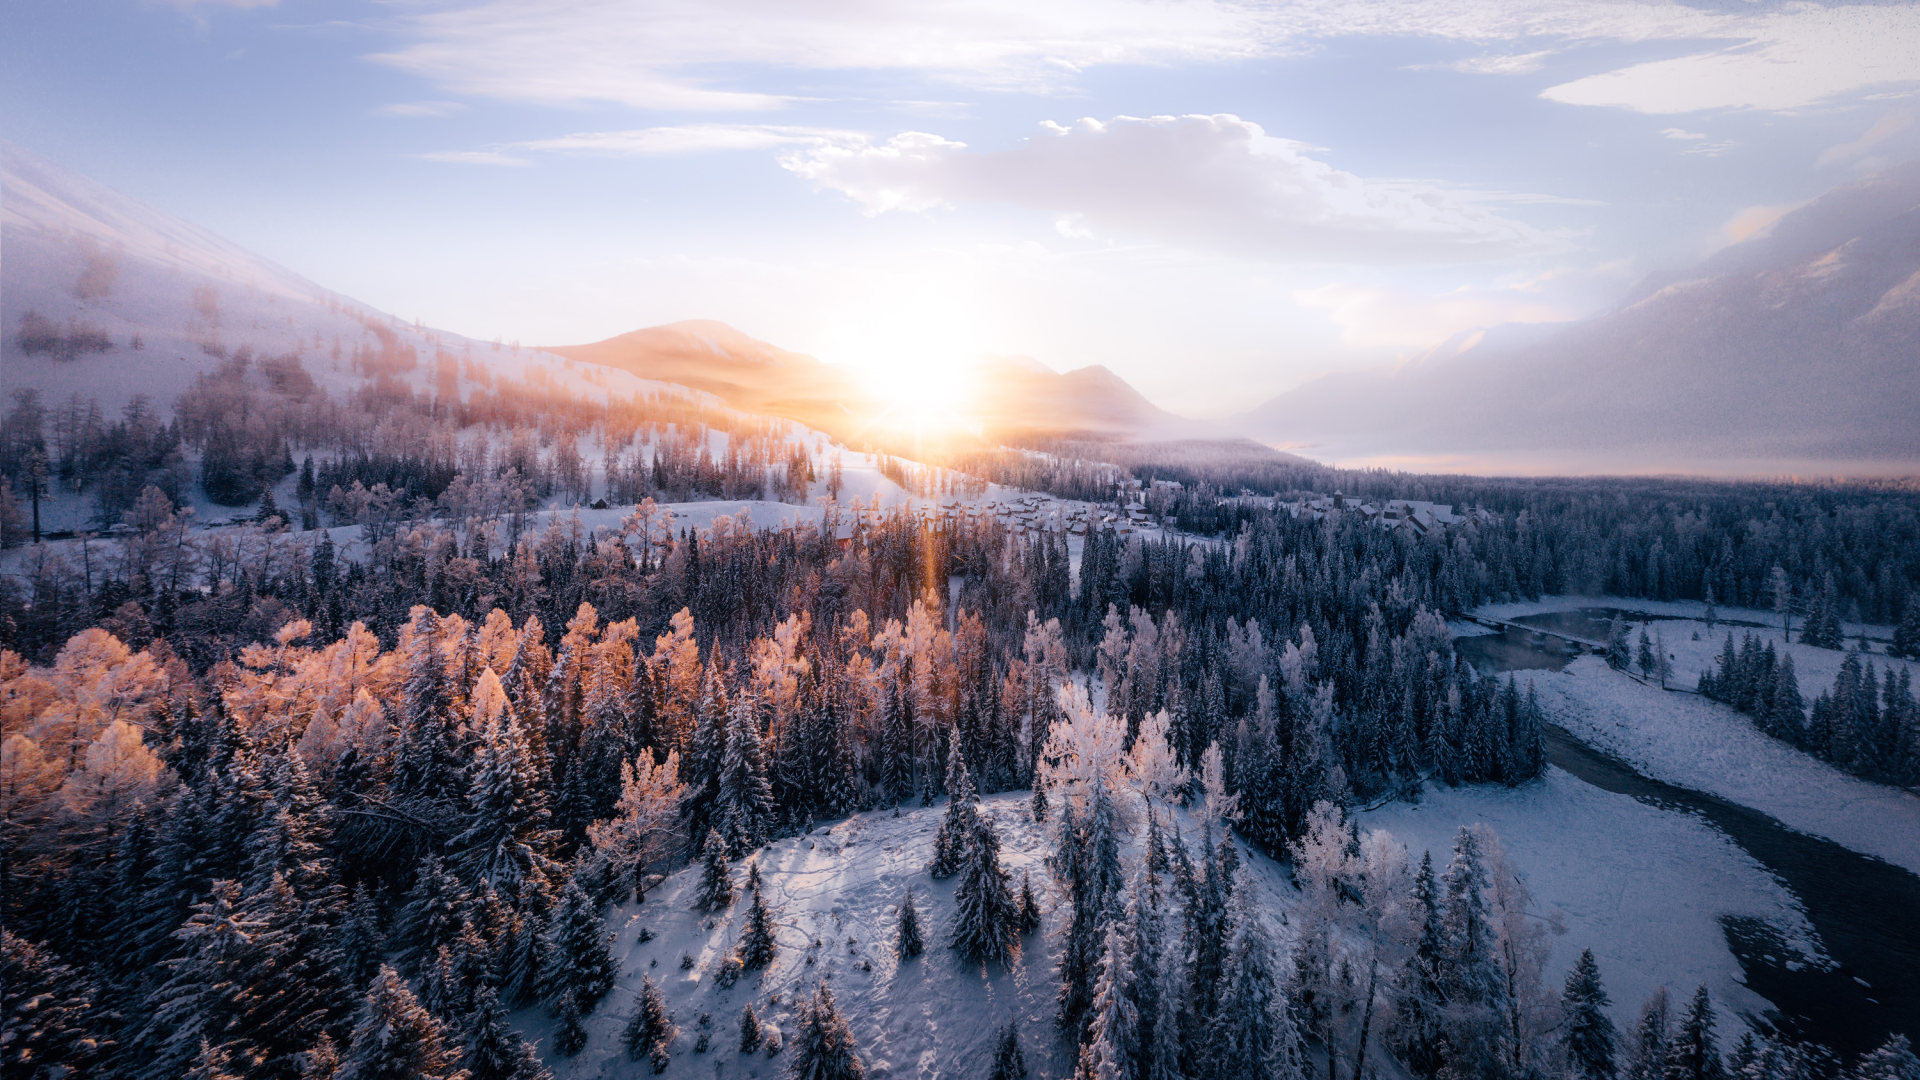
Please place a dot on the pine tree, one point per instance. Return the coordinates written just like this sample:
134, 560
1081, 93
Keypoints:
1251, 1033
1009, 1061
911, 942
985, 919
823, 1049
1618, 652
743, 807
1906, 636
1471, 978
578, 966
1029, 905
1647, 1050
1691, 1054
749, 1029
1113, 1031
494, 1051
757, 944
1893, 1060
650, 1031
395, 1038
1587, 1035
958, 824
505, 840
47, 1012
716, 881
571, 1036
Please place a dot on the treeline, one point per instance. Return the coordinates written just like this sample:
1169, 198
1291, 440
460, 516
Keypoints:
1866, 724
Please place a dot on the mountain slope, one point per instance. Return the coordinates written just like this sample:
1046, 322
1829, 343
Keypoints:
1791, 352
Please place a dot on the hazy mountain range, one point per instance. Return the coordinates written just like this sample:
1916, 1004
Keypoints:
1795, 351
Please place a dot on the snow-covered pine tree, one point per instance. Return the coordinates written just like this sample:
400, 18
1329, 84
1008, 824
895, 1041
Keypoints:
1643, 657
494, 1051
1470, 977
911, 942
1009, 1061
1619, 653
716, 880
396, 1038
48, 1011
1252, 1034
1029, 904
1892, 1060
1113, 1027
1587, 1034
823, 1048
577, 966
757, 944
505, 840
1647, 1048
749, 1029
958, 824
743, 809
570, 1035
649, 1032
1691, 1053
986, 921
432, 915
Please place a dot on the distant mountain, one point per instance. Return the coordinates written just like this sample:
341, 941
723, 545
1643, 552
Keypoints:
1797, 351
1011, 398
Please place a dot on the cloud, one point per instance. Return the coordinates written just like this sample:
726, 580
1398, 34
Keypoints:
688, 139
1508, 64
1883, 129
1372, 317
421, 109
474, 157
1215, 183
1792, 58
1698, 143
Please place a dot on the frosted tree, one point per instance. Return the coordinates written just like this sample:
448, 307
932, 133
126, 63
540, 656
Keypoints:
757, 945
1155, 762
957, 826
650, 1032
1113, 1031
578, 967
743, 809
1892, 1060
396, 1038
1220, 805
506, 840
910, 942
1587, 1034
494, 1051
1647, 1048
646, 826
1471, 979
823, 1048
1009, 1061
1691, 1053
1322, 865
986, 920
716, 881
750, 1031
1521, 947
1251, 1034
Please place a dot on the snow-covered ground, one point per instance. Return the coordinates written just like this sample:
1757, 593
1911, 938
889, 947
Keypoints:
1645, 888
1666, 609
1691, 742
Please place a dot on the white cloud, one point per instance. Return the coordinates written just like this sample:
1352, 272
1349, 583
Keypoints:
421, 109
1797, 56
1215, 183
1883, 129
1507, 64
1374, 317
474, 157
1698, 143
689, 139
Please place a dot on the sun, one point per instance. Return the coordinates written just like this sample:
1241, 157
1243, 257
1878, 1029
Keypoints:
915, 359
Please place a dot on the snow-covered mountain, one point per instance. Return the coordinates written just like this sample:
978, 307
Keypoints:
1796, 351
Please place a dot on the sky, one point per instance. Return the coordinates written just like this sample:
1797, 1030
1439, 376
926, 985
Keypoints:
1216, 200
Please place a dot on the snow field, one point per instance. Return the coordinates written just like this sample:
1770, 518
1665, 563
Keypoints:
1644, 888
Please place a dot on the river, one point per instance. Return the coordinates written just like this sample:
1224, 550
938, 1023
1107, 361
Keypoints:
1866, 912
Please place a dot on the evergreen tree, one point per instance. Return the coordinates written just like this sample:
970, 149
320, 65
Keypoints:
1471, 979
1587, 1033
1906, 636
1619, 655
823, 1049
578, 966
910, 942
1009, 1061
505, 840
961, 818
1647, 1049
48, 1013
1893, 1060
1691, 1054
1251, 1033
494, 1051
716, 881
1029, 905
749, 1029
650, 1031
395, 1038
743, 807
571, 1036
757, 944
1113, 1032
986, 922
